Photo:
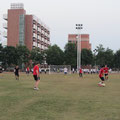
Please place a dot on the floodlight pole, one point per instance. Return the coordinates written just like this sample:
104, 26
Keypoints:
79, 27
95, 51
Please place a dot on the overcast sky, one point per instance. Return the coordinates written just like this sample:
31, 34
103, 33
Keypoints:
100, 19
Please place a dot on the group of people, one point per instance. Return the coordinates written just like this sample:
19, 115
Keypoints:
36, 74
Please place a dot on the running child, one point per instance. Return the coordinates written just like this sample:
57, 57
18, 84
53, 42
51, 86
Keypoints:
101, 76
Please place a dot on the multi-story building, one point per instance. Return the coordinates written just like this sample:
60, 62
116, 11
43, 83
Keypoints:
24, 29
72, 38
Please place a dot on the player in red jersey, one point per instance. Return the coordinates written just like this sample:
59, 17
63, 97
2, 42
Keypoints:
27, 70
106, 69
80, 72
101, 76
36, 76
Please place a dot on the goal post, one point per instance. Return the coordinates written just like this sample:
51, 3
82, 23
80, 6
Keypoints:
53, 69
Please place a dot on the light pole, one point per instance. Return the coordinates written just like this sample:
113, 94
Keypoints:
95, 51
79, 27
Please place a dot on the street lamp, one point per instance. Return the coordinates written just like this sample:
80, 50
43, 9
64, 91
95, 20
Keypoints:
95, 51
79, 27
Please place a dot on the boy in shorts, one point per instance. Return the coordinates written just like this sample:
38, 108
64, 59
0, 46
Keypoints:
101, 76
36, 75
106, 69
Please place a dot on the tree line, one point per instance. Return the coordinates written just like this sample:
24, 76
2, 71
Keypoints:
54, 55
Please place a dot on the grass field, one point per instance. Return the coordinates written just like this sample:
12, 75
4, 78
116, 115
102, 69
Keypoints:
60, 97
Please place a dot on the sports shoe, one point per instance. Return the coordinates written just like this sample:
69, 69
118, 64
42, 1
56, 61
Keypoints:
36, 88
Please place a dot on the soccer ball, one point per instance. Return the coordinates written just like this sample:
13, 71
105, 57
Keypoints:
101, 84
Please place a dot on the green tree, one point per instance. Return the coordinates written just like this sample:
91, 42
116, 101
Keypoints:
117, 59
54, 55
9, 56
70, 54
104, 56
23, 55
1, 53
86, 57
36, 55
100, 48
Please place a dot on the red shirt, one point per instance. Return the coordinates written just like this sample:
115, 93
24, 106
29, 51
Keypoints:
80, 71
106, 70
36, 68
101, 72
27, 68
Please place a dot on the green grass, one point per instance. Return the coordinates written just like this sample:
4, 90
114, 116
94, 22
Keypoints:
60, 97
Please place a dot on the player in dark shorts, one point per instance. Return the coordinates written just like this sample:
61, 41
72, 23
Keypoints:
16, 71
101, 76
106, 69
36, 76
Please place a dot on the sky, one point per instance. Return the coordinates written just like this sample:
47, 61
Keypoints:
100, 19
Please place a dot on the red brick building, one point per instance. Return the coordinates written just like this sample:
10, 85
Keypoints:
72, 38
24, 29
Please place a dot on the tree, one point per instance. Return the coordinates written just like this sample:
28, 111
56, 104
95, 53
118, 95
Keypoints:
1, 53
105, 57
23, 55
70, 54
9, 56
54, 55
109, 57
86, 57
36, 55
100, 48
117, 59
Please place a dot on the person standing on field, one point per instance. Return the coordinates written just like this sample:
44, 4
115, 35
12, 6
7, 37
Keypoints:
36, 76
28, 71
65, 70
16, 71
106, 69
80, 72
101, 76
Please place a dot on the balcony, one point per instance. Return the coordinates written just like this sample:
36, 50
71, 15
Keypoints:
34, 35
39, 29
5, 34
42, 47
42, 31
34, 27
35, 44
5, 16
5, 25
39, 38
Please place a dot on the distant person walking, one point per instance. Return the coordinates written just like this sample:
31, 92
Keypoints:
27, 70
73, 70
36, 76
80, 72
16, 71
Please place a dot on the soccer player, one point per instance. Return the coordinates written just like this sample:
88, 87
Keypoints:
16, 71
73, 70
36, 76
101, 76
106, 69
28, 70
65, 70
80, 72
